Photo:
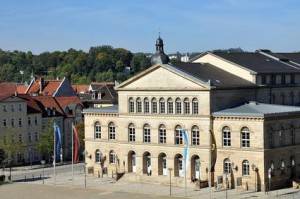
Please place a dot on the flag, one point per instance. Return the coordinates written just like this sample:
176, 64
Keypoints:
186, 149
57, 141
76, 144
213, 151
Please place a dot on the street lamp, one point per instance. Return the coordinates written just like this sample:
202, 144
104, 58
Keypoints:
100, 162
43, 163
170, 170
30, 157
10, 163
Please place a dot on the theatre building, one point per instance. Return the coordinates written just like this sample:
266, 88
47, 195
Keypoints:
234, 133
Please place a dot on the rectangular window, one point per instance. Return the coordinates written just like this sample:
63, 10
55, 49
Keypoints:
131, 134
162, 107
162, 135
246, 168
178, 136
12, 107
97, 132
112, 158
292, 79
29, 137
131, 107
187, 107
35, 120
36, 135
271, 139
139, 106
4, 122
283, 79
195, 107
20, 107
20, 122
4, 108
146, 107
245, 138
20, 138
195, 137
29, 121
227, 167
12, 122
99, 95
226, 138
147, 135
178, 107
93, 95
281, 138
154, 107
170, 107
112, 132
263, 79
292, 137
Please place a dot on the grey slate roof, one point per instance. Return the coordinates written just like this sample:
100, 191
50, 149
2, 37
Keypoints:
258, 110
217, 77
257, 62
109, 109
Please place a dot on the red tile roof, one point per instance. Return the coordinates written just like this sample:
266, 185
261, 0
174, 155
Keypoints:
8, 88
50, 86
81, 88
22, 89
65, 101
32, 105
48, 101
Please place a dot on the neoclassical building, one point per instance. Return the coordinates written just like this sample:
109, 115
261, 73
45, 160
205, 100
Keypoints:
237, 131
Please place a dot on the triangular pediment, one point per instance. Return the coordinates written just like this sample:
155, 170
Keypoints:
163, 77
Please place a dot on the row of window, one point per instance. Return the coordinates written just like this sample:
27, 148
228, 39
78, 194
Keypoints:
245, 137
195, 135
163, 106
20, 122
12, 107
20, 138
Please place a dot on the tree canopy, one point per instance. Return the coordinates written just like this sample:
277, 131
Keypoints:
100, 63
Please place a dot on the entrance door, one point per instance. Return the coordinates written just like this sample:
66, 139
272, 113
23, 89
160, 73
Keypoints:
180, 167
133, 162
197, 169
148, 164
164, 166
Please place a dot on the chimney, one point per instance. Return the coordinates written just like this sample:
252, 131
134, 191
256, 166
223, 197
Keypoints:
42, 84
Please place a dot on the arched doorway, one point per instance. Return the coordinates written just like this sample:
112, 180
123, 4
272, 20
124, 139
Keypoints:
162, 164
131, 161
147, 163
195, 167
178, 165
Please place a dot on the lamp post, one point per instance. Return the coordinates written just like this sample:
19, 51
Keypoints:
43, 163
170, 170
83, 154
254, 168
10, 163
100, 162
30, 157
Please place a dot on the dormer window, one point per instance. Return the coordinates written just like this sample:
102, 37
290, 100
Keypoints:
48, 111
93, 95
99, 95
53, 111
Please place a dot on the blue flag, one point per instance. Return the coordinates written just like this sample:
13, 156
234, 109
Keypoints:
57, 141
186, 149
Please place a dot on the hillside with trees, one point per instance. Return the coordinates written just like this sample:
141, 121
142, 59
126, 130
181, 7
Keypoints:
101, 63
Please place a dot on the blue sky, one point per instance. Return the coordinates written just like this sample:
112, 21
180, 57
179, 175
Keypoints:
185, 25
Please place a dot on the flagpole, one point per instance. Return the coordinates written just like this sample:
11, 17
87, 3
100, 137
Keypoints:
209, 156
72, 155
185, 179
54, 153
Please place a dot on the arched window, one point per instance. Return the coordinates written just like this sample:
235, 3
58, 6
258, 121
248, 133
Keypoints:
146, 105
170, 106
112, 131
245, 138
195, 106
162, 105
162, 134
227, 166
195, 135
154, 105
138, 105
186, 106
178, 106
131, 105
246, 168
98, 156
147, 133
97, 130
112, 157
226, 137
178, 135
131, 133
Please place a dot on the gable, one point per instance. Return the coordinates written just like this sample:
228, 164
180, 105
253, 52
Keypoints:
161, 78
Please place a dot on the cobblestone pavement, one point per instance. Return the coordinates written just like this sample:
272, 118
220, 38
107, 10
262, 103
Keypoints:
94, 187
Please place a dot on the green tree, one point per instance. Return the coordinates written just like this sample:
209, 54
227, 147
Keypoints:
10, 144
45, 145
139, 62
